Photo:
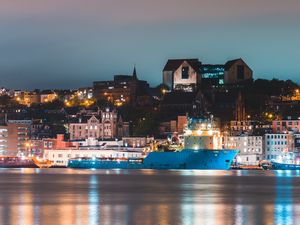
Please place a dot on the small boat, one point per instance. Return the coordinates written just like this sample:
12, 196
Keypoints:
284, 166
284, 162
42, 163
16, 162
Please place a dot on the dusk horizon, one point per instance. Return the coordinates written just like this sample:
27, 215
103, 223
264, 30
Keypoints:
62, 45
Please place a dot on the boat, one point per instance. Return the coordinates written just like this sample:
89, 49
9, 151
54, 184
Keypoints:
285, 162
282, 166
16, 162
202, 151
42, 163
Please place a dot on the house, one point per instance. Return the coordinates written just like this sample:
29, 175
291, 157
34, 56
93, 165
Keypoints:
182, 74
237, 72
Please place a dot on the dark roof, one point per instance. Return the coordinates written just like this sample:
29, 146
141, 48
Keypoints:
83, 119
173, 64
230, 63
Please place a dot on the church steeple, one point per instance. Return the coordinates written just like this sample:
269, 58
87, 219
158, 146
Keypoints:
134, 76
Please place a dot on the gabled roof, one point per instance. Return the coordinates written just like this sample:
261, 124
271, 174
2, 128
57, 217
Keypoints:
173, 64
83, 119
230, 63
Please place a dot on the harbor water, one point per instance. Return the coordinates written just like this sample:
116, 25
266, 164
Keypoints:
66, 196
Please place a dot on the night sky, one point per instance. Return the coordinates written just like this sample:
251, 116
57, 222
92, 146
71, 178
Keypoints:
70, 43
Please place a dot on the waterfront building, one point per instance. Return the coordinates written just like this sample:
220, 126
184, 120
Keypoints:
85, 93
47, 96
277, 144
124, 89
188, 74
95, 126
237, 71
173, 126
297, 144
212, 75
182, 74
251, 148
14, 136
60, 157
26, 97
281, 126
240, 127
99, 125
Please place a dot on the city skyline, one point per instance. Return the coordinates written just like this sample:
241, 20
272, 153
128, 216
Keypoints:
62, 45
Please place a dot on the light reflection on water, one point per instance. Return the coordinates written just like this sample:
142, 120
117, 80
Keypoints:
63, 196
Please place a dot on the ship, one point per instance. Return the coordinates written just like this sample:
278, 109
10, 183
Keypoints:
287, 161
16, 162
202, 151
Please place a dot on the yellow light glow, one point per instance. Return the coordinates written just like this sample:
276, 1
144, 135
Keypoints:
199, 132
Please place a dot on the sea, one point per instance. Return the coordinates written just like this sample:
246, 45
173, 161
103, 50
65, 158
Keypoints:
146, 197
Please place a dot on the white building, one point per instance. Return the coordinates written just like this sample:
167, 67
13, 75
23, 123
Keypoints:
251, 148
61, 157
102, 125
278, 144
182, 74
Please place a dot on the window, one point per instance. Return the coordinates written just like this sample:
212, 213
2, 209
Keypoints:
185, 72
240, 72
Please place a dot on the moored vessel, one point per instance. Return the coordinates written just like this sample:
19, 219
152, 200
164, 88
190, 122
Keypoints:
42, 163
285, 162
202, 150
16, 162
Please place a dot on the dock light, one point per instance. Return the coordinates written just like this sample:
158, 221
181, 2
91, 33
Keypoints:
199, 132
210, 132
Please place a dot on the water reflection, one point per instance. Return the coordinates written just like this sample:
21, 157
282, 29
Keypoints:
149, 197
93, 201
283, 212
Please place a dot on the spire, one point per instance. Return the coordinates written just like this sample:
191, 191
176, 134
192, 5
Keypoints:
134, 76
